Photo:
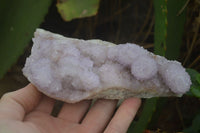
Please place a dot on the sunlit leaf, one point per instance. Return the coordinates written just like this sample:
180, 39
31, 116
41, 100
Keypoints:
71, 9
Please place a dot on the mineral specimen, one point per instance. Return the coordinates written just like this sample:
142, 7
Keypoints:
72, 70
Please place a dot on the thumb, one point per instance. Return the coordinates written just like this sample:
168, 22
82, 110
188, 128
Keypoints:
14, 105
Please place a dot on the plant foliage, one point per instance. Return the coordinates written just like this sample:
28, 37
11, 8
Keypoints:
71, 9
195, 87
167, 40
19, 19
195, 127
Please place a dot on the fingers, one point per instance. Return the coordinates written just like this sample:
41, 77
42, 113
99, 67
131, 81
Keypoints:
124, 116
74, 112
46, 105
99, 115
15, 105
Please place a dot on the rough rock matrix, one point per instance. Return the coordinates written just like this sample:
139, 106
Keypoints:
72, 70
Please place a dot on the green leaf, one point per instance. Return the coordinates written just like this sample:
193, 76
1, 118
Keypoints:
160, 34
195, 90
198, 78
193, 75
71, 9
148, 110
169, 27
195, 127
19, 19
195, 87
175, 28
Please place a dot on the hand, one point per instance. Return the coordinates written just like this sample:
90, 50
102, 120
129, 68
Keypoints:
29, 111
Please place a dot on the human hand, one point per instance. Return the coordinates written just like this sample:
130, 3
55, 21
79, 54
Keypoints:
29, 111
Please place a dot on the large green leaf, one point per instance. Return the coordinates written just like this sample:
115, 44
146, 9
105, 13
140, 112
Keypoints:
169, 27
19, 19
160, 33
71, 9
175, 28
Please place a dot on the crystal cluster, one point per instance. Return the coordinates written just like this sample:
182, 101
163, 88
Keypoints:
72, 70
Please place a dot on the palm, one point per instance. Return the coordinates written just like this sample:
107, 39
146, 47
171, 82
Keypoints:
28, 111
52, 124
33, 124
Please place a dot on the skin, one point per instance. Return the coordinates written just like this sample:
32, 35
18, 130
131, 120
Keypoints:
29, 111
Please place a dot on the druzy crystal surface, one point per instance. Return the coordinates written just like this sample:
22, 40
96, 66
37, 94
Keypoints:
72, 70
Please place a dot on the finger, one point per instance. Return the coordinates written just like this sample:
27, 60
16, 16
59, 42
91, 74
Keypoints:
46, 105
124, 116
74, 112
99, 115
15, 105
